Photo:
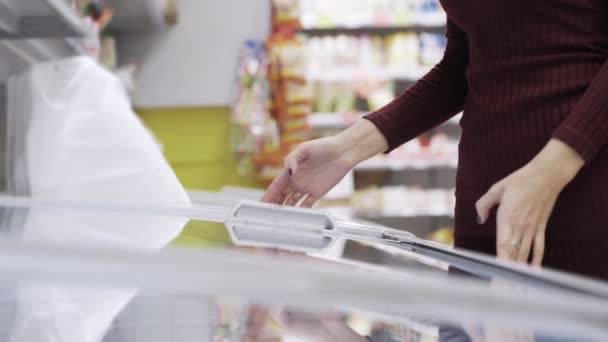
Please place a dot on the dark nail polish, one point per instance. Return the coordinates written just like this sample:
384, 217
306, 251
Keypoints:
290, 172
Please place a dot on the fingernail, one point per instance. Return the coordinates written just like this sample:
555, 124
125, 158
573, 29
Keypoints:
290, 171
479, 221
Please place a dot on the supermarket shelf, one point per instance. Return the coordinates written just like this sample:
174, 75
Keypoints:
21, 19
34, 31
342, 120
405, 74
379, 163
333, 120
373, 30
17, 55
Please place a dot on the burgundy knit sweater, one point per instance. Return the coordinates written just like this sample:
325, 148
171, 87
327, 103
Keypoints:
523, 72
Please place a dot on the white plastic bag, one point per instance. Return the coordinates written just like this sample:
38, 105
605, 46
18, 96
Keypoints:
74, 136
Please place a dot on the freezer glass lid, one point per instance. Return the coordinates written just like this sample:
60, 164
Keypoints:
102, 275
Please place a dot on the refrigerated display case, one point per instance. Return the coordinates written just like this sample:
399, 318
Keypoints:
62, 279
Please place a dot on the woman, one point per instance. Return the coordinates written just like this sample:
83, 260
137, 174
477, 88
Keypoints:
532, 80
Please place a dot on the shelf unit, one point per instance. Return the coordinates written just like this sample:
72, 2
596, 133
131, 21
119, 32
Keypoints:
24, 19
378, 163
379, 171
38, 30
33, 31
343, 120
429, 173
405, 74
373, 30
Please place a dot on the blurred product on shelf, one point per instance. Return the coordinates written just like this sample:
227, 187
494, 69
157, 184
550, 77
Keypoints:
93, 20
403, 201
444, 235
362, 69
432, 47
143, 15
291, 102
334, 120
99, 14
329, 81
346, 58
286, 14
358, 13
113, 18
290, 94
440, 152
347, 68
252, 128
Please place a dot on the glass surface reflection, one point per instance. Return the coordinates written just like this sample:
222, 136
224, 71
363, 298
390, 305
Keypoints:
96, 276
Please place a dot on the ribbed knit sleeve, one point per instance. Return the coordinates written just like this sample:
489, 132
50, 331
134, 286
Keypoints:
586, 127
438, 96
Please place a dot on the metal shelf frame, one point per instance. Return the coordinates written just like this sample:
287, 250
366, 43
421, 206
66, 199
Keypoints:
373, 30
27, 19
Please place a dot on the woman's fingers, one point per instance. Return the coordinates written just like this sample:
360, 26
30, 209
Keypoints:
533, 241
298, 199
504, 233
525, 246
295, 198
298, 155
539, 248
519, 237
282, 191
539, 239
309, 201
488, 201
279, 190
504, 229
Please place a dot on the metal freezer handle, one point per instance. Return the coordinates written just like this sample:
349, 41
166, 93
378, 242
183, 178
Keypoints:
275, 226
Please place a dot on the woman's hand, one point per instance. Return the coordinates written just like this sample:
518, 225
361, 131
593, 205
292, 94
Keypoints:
525, 201
315, 167
312, 169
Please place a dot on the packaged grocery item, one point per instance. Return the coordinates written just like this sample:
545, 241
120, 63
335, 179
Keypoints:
286, 12
290, 95
251, 124
365, 13
444, 235
402, 52
381, 96
298, 93
432, 46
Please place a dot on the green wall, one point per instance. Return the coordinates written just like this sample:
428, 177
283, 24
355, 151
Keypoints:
196, 144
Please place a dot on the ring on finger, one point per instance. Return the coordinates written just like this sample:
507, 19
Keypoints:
515, 244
